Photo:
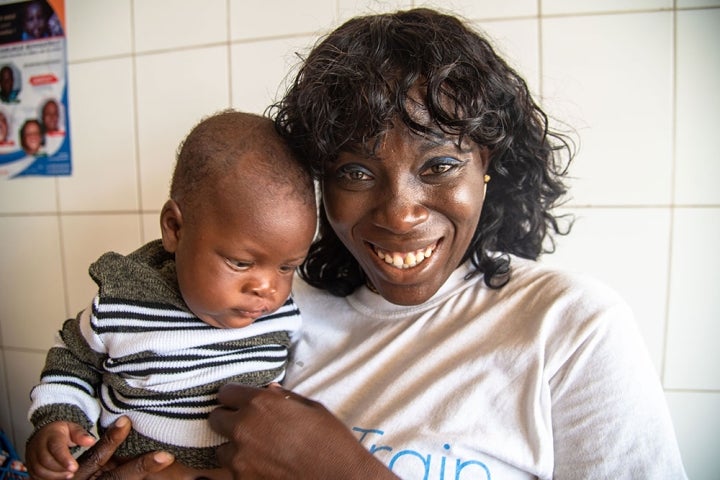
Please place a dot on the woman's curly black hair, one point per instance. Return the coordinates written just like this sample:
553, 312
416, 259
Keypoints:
357, 80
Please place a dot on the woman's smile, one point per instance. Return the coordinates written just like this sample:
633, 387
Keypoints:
404, 260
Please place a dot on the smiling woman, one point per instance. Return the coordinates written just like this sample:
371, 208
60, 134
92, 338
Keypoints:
407, 211
428, 145
432, 94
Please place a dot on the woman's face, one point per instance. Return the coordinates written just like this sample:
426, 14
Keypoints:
407, 215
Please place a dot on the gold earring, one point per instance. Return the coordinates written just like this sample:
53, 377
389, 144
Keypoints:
486, 178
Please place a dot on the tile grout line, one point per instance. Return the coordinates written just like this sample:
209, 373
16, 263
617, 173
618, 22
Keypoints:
673, 186
136, 129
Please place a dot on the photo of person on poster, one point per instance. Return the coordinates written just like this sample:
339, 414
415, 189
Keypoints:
31, 138
8, 88
50, 115
35, 21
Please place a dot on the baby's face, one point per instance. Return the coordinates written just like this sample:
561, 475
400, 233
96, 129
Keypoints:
35, 23
236, 261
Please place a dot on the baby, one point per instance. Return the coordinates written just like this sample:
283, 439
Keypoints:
207, 304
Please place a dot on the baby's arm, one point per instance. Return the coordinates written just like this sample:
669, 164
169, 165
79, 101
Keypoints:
48, 451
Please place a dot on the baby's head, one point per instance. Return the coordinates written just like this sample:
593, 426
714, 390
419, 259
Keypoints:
35, 21
240, 219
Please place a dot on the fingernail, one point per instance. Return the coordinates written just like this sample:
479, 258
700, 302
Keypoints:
121, 422
162, 457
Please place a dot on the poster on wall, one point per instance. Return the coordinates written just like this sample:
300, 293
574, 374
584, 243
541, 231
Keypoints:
34, 127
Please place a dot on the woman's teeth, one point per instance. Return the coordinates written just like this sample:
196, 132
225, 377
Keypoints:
405, 260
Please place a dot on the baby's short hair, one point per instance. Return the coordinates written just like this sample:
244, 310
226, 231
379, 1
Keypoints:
218, 142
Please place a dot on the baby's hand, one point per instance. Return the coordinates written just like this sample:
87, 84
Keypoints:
48, 452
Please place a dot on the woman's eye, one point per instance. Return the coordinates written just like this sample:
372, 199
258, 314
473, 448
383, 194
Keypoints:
353, 173
441, 166
352, 177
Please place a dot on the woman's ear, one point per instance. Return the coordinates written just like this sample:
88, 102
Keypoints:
171, 222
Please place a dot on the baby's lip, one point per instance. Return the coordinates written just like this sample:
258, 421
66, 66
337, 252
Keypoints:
254, 313
405, 259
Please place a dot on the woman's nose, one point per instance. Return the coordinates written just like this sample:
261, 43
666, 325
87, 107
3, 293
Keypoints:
400, 210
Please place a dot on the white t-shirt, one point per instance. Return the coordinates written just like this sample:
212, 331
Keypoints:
547, 377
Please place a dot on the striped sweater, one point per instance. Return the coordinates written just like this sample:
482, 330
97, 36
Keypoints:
138, 351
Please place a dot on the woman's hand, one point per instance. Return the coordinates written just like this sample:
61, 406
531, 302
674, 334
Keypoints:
98, 462
277, 434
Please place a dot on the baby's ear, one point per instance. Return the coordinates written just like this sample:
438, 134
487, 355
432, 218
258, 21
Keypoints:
171, 222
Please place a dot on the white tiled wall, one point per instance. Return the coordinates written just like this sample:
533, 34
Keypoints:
637, 79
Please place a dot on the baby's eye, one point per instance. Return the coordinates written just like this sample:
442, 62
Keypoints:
238, 264
286, 269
